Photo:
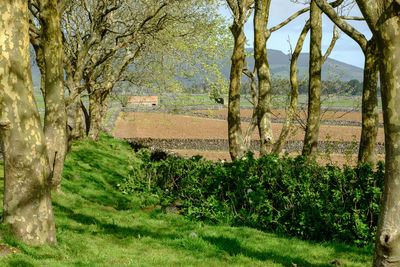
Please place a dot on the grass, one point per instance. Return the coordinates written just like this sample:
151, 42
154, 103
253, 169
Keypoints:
97, 225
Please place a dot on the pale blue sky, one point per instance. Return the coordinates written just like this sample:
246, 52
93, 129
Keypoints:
346, 50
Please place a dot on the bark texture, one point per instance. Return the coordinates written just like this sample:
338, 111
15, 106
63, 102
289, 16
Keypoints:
236, 146
236, 143
75, 122
97, 111
314, 91
383, 18
27, 206
370, 113
264, 77
253, 122
55, 120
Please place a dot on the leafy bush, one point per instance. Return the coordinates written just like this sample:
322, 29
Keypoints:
285, 195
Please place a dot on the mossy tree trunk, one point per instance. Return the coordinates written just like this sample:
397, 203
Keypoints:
95, 117
236, 145
97, 111
370, 118
314, 90
264, 77
254, 97
370, 114
75, 122
55, 120
27, 206
383, 18
240, 11
387, 249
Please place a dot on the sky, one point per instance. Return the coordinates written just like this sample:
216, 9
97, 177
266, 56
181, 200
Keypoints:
345, 50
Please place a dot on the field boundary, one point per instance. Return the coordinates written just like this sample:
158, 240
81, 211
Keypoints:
336, 147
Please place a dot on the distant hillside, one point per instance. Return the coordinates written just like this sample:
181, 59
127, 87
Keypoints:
279, 64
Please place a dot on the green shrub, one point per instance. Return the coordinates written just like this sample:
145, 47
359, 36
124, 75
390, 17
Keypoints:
285, 195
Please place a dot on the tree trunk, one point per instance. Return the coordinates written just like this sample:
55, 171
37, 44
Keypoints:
253, 122
278, 145
387, 242
86, 117
370, 114
95, 112
264, 76
236, 145
314, 90
55, 120
76, 127
27, 206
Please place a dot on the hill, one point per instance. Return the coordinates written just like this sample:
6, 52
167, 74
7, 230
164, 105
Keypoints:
280, 64
98, 225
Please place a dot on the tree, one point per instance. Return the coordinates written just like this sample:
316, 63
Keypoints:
104, 41
261, 14
262, 106
49, 54
27, 206
241, 10
314, 87
383, 20
278, 145
370, 116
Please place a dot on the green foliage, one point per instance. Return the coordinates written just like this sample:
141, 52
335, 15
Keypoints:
98, 225
285, 195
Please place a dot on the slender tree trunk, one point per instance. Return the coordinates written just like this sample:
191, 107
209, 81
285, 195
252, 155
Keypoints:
95, 112
236, 145
86, 117
369, 103
253, 122
264, 76
75, 122
278, 145
370, 114
387, 242
314, 90
27, 206
55, 121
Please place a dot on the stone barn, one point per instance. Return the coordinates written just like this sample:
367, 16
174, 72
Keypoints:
142, 101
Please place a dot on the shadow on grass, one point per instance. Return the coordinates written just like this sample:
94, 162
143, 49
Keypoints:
233, 247
110, 228
19, 263
105, 197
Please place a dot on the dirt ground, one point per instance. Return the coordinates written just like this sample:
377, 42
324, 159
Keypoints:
167, 126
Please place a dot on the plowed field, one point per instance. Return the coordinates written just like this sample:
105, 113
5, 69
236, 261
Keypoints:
176, 127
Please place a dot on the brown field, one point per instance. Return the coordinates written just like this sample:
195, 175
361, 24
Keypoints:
167, 126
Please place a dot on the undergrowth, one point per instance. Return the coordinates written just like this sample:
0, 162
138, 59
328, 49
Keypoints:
291, 196
99, 224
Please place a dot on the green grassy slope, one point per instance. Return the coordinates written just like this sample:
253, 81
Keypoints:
99, 226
